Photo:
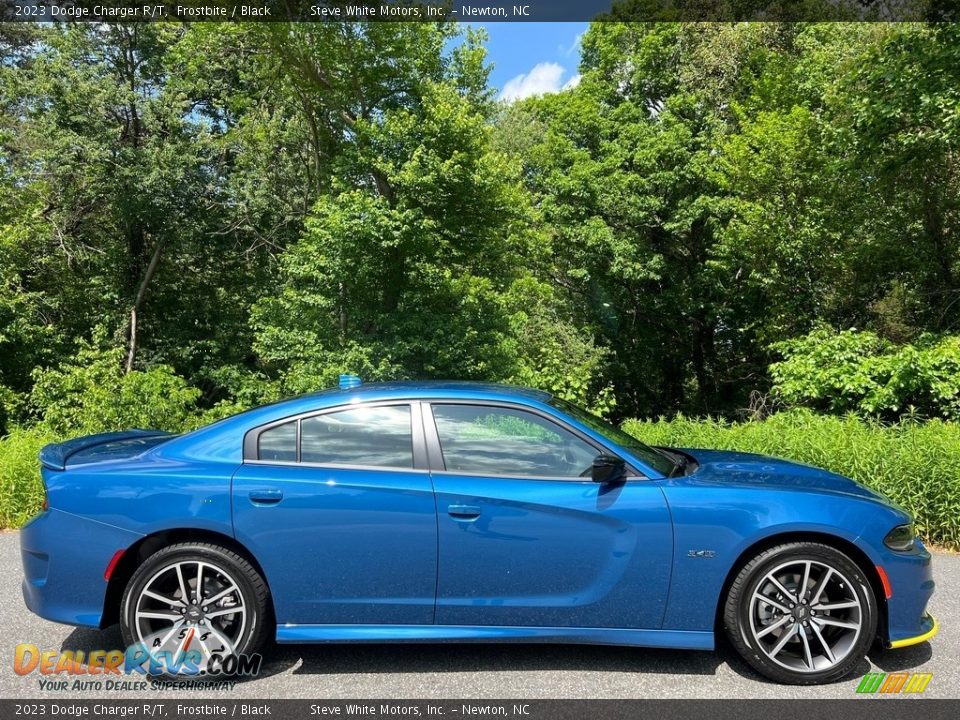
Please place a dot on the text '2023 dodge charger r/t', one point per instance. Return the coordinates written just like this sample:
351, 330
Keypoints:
456, 512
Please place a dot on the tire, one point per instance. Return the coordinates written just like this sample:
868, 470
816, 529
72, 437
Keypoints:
801, 639
234, 619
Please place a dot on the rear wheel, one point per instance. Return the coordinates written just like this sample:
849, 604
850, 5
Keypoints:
801, 613
192, 605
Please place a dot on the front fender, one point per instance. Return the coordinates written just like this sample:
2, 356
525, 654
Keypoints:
715, 525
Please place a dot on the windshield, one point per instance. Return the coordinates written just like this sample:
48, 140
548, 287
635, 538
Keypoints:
654, 458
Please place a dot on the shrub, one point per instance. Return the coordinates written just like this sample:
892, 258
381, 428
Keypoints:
916, 464
855, 371
86, 395
21, 490
92, 394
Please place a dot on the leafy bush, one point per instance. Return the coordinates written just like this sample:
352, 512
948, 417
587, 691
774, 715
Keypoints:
88, 394
854, 371
91, 394
915, 464
21, 490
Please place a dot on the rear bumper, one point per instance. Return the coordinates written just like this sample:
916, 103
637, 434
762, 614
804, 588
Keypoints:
64, 557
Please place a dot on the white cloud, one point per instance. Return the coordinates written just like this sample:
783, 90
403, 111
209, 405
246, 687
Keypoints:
574, 46
572, 82
544, 78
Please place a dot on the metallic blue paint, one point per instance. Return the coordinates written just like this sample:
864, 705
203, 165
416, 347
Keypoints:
680, 639
368, 554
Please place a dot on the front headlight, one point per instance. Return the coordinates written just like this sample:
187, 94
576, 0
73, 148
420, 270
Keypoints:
901, 538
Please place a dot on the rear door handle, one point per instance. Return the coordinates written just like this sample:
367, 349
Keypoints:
464, 512
266, 497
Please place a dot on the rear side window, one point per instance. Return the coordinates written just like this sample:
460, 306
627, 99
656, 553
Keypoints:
378, 436
374, 436
279, 443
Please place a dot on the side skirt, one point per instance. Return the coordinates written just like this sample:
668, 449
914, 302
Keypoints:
679, 639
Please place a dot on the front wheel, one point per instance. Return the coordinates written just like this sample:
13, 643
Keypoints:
190, 606
801, 613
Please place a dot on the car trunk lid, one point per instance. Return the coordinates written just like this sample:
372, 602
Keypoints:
101, 447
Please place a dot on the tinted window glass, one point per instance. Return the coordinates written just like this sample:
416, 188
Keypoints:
499, 441
279, 443
360, 436
655, 459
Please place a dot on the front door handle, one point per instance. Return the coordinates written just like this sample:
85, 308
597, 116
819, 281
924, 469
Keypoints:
464, 512
266, 497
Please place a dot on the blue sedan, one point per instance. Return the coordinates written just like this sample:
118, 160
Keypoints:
456, 512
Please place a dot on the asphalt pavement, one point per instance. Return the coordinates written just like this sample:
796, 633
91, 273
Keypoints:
485, 671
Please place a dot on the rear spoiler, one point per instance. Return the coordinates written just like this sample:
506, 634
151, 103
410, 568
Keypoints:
55, 455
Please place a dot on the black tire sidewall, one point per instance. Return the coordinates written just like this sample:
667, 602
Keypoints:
238, 568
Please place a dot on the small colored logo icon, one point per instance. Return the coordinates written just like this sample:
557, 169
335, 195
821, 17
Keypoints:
894, 683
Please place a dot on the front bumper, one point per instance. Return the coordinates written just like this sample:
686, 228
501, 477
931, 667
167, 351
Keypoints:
929, 622
64, 557
911, 582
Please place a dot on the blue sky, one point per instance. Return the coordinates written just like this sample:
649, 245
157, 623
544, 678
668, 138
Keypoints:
532, 58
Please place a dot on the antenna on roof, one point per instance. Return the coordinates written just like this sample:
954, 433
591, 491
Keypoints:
349, 381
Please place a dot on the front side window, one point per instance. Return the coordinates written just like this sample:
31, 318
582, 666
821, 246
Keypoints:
656, 459
378, 436
487, 440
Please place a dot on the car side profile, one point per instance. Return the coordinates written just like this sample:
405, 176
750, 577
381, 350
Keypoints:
458, 512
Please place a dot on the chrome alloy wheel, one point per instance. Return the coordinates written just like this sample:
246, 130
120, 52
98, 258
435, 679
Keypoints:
190, 605
805, 616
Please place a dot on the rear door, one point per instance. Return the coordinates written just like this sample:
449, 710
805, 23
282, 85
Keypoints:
527, 539
338, 509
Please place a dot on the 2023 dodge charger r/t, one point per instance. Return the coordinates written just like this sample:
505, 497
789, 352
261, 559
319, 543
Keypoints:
439, 512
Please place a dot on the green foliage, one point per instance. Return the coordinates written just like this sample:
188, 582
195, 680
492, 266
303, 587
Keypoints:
91, 394
505, 427
857, 371
915, 464
426, 272
21, 490
237, 212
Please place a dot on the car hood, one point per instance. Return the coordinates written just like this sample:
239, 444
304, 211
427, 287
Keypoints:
761, 470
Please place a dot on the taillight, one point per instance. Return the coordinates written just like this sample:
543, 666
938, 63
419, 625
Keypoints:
112, 565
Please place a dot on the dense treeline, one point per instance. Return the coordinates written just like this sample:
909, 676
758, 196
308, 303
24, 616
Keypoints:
201, 217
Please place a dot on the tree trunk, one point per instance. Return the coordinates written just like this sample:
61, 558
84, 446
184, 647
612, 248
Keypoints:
138, 301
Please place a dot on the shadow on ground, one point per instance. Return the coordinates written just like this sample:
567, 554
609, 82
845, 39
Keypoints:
339, 659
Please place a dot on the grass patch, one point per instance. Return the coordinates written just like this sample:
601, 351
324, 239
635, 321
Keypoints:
21, 490
916, 464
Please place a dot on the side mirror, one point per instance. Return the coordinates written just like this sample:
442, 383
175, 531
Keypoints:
608, 469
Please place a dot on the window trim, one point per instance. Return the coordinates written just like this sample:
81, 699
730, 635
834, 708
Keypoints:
251, 439
435, 448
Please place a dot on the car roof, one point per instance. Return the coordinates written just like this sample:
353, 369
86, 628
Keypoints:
411, 389
214, 441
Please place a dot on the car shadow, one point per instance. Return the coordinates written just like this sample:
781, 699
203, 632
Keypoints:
335, 658
476, 658
89, 639
345, 659
906, 658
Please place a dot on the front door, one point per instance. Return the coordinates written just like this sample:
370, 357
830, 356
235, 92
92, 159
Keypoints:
527, 539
